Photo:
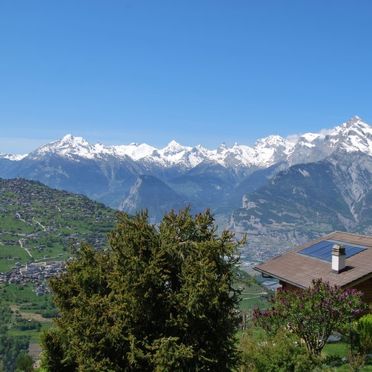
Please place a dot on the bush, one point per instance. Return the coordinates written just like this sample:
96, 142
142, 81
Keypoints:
51, 313
312, 313
281, 352
356, 361
364, 330
24, 325
24, 363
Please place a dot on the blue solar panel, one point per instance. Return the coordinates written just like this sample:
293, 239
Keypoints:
323, 250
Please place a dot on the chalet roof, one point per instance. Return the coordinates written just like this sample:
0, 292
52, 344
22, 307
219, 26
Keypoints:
299, 270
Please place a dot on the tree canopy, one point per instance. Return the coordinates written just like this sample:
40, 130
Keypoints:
161, 298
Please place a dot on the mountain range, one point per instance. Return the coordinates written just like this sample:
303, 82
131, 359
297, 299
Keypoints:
353, 135
281, 190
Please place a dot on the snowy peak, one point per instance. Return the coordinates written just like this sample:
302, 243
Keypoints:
272, 149
70, 140
270, 141
134, 150
13, 157
352, 136
175, 147
68, 146
354, 124
355, 120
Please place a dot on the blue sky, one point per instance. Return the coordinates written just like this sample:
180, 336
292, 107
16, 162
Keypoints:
198, 71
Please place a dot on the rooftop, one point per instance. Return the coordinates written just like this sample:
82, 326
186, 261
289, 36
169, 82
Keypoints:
312, 261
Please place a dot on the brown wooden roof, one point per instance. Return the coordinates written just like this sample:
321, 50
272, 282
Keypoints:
300, 270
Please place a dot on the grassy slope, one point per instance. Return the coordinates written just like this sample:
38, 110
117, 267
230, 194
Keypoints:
252, 294
46, 222
23, 300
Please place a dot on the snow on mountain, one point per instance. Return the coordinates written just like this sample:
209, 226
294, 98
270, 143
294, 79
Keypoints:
13, 157
174, 154
134, 150
272, 149
354, 135
351, 136
72, 147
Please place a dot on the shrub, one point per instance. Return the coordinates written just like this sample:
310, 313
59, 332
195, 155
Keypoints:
24, 363
364, 330
281, 352
312, 313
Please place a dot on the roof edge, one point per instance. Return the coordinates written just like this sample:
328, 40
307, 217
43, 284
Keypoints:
280, 278
358, 281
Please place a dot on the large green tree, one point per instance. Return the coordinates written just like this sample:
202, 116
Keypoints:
159, 299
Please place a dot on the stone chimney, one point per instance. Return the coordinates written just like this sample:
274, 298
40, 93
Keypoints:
338, 258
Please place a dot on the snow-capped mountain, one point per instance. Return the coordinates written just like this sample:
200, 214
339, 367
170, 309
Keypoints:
266, 152
13, 157
281, 191
216, 178
352, 136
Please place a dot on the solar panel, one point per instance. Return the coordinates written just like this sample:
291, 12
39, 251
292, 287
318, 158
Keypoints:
323, 250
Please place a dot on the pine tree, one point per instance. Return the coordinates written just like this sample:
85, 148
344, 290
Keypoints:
159, 299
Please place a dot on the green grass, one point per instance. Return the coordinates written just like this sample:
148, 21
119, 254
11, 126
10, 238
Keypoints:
10, 254
337, 348
26, 301
341, 349
346, 368
56, 251
252, 294
17, 294
34, 334
250, 303
14, 225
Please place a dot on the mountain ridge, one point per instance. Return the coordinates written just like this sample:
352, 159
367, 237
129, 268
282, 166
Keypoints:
352, 135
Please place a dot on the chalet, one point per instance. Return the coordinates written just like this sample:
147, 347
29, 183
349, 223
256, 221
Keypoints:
339, 258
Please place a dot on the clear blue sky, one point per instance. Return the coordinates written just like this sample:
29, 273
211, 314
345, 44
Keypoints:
198, 71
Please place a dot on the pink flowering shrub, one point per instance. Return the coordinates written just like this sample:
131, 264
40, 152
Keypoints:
312, 313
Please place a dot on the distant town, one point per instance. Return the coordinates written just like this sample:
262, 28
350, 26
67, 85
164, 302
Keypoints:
35, 272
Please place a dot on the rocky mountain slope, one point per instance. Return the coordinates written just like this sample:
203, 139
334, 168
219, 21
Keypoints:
150, 193
306, 201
